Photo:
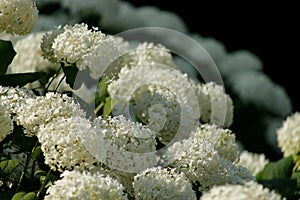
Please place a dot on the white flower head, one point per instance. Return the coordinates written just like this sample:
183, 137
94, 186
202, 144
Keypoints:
62, 145
36, 112
84, 185
162, 97
252, 161
162, 183
29, 55
86, 48
288, 135
6, 123
222, 139
129, 146
215, 105
203, 165
249, 191
17, 17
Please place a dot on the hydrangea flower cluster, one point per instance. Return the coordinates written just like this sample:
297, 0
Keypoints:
5, 122
252, 161
248, 191
61, 144
200, 157
29, 55
130, 147
38, 111
17, 17
162, 183
83, 185
78, 45
289, 135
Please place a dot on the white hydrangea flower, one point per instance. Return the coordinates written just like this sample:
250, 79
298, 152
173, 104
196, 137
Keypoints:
249, 191
17, 17
223, 140
29, 55
159, 109
167, 88
215, 105
150, 53
35, 112
6, 123
84, 185
129, 146
87, 48
288, 135
203, 165
162, 183
62, 145
252, 161
240, 61
14, 98
246, 85
47, 41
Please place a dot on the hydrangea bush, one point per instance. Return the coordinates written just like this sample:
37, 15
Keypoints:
86, 113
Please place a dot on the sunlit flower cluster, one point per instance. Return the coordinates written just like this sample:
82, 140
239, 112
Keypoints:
5, 121
162, 183
248, 191
84, 185
17, 17
252, 161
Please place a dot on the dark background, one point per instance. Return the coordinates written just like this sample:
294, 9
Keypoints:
267, 30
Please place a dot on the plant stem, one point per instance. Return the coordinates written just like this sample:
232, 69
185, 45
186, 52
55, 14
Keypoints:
44, 184
24, 171
55, 75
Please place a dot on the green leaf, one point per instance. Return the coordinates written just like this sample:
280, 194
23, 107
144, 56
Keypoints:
25, 196
20, 79
280, 169
71, 72
36, 152
103, 89
7, 54
108, 106
296, 176
7, 165
285, 186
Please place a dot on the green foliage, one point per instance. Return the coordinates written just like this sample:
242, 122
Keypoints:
71, 72
280, 177
20, 79
25, 196
7, 165
7, 53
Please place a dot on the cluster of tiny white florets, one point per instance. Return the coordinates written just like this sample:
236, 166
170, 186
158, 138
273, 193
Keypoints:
252, 161
162, 183
13, 98
130, 146
35, 112
215, 105
83, 185
249, 191
29, 55
17, 17
150, 53
5, 121
222, 139
176, 90
78, 45
62, 146
288, 135
159, 109
202, 162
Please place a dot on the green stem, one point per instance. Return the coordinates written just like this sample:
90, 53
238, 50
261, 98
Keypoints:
99, 107
44, 184
24, 171
55, 75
